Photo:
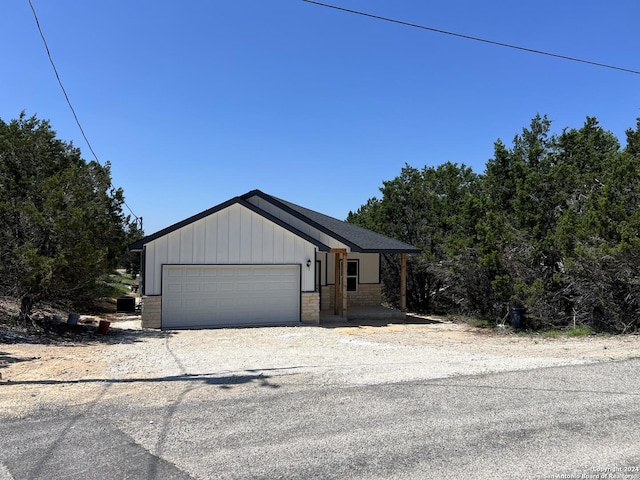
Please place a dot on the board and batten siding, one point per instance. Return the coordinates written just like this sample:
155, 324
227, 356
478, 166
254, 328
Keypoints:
368, 267
233, 236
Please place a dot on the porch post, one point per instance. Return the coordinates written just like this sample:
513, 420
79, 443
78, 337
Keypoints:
340, 276
336, 282
344, 285
403, 282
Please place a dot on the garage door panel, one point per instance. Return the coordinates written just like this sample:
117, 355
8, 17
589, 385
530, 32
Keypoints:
210, 287
248, 287
174, 288
220, 295
177, 304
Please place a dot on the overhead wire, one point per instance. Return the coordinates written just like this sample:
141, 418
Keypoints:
73, 111
343, 9
469, 37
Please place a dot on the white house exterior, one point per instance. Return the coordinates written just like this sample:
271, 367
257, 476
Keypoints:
258, 260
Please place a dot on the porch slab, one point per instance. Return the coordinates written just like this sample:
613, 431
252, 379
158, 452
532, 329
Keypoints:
363, 315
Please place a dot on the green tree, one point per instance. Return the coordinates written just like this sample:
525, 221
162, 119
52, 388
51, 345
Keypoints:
432, 209
570, 209
513, 233
603, 261
61, 221
553, 225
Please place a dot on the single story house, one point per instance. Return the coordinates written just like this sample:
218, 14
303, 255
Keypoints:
259, 260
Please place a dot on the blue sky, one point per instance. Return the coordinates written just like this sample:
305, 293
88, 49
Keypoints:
196, 102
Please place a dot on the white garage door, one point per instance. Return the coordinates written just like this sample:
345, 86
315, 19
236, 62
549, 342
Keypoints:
196, 296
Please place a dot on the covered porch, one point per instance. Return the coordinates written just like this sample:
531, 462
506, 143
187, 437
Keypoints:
339, 303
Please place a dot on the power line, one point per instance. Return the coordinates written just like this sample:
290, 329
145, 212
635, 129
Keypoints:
73, 111
469, 37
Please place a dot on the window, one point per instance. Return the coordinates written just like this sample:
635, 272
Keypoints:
352, 275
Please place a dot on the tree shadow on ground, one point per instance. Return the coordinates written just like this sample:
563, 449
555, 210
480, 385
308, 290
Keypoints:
223, 381
82, 334
6, 359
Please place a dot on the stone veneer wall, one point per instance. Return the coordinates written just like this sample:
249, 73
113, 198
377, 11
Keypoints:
152, 312
368, 294
311, 307
326, 297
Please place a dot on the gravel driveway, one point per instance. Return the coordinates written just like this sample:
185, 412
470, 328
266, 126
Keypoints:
300, 402
358, 355
70, 374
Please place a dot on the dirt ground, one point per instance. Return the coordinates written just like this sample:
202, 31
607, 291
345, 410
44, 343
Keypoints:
106, 368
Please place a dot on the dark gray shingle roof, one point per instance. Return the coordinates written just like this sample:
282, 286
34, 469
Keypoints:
359, 239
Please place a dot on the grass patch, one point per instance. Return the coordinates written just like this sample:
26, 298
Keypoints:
551, 334
582, 331
481, 323
117, 284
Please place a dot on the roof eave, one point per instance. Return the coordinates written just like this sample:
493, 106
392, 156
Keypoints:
391, 250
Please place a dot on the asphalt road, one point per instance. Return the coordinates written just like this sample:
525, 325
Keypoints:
562, 422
